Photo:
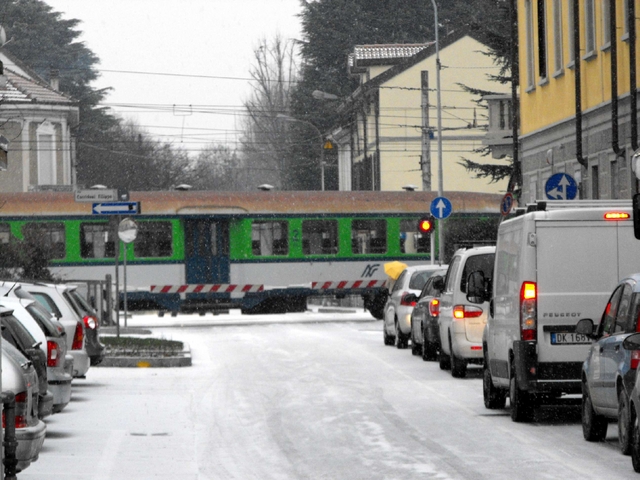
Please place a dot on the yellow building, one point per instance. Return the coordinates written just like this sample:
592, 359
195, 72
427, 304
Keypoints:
380, 141
575, 109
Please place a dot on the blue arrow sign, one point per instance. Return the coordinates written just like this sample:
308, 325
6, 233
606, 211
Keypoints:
561, 186
116, 208
441, 207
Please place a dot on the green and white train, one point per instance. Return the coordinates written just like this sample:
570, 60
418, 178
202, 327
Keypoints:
259, 251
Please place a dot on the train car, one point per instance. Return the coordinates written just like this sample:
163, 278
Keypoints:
263, 251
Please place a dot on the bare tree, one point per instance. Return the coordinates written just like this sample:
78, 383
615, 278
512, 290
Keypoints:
217, 167
266, 144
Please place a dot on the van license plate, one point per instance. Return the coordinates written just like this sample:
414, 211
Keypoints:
568, 338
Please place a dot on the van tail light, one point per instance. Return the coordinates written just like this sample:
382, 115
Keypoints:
434, 307
460, 312
78, 337
90, 322
53, 354
21, 411
404, 302
617, 216
635, 359
528, 311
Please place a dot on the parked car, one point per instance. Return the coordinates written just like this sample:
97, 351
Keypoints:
609, 372
89, 316
632, 343
402, 298
51, 338
425, 337
461, 322
15, 333
20, 378
51, 298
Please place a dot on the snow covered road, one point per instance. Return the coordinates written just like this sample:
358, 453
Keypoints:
306, 401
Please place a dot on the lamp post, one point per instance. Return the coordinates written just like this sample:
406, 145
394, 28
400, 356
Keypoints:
287, 118
439, 110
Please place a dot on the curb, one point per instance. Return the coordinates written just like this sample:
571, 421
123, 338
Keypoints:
182, 360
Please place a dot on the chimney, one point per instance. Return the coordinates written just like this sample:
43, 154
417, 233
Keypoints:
54, 78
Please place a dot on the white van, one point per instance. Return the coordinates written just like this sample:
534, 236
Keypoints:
555, 264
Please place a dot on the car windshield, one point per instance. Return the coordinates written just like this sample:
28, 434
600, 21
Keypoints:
418, 279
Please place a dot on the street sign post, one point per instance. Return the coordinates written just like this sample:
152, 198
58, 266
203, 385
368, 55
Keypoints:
96, 195
441, 207
127, 232
116, 208
561, 186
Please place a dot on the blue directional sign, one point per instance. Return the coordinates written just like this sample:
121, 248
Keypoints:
441, 207
561, 186
116, 208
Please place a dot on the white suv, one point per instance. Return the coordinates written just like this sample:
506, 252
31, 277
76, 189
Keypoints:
461, 322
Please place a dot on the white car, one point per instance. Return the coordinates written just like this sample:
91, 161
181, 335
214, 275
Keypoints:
461, 322
403, 296
52, 342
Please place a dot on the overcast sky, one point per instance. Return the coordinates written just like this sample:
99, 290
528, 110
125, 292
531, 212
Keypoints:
196, 39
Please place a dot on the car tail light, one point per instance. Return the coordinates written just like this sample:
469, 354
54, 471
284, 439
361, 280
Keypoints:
635, 359
528, 311
460, 312
434, 307
21, 411
78, 337
404, 302
53, 354
617, 216
90, 322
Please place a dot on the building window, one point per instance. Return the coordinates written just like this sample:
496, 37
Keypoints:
606, 23
529, 33
411, 239
49, 235
615, 179
570, 31
5, 233
154, 240
595, 185
625, 27
369, 236
46, 149
542, 39
589, 27
558, 61
319, 237
97, 241
269, 238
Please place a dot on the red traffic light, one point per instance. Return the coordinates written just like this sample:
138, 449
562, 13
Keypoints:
427, 224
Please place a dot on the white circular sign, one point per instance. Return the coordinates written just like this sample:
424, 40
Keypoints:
127, 230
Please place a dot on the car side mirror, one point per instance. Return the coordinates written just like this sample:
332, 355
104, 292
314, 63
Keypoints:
478, 288
585, 327
632, 342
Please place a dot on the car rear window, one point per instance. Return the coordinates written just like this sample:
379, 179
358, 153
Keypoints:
43, 318
80, 301
21, 334
475, 263
418, 279
47, 302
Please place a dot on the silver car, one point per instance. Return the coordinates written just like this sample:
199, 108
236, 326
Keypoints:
402, 298
19, 377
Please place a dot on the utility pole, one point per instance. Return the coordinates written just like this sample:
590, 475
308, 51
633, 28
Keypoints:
425, 161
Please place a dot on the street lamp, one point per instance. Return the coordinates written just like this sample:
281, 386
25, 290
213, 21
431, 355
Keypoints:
287, 118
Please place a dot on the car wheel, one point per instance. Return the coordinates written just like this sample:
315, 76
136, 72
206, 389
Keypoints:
458, 365
429, 350
444, 360
594, 426
521, 402
635, 445
494, 398
416, 348
388, 339
624, 423
401, 339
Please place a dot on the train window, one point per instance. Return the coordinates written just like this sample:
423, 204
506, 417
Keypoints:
320, 237
411, 240
97, 241
49, 235
269, 238
5, 233
154, 240
369, 236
